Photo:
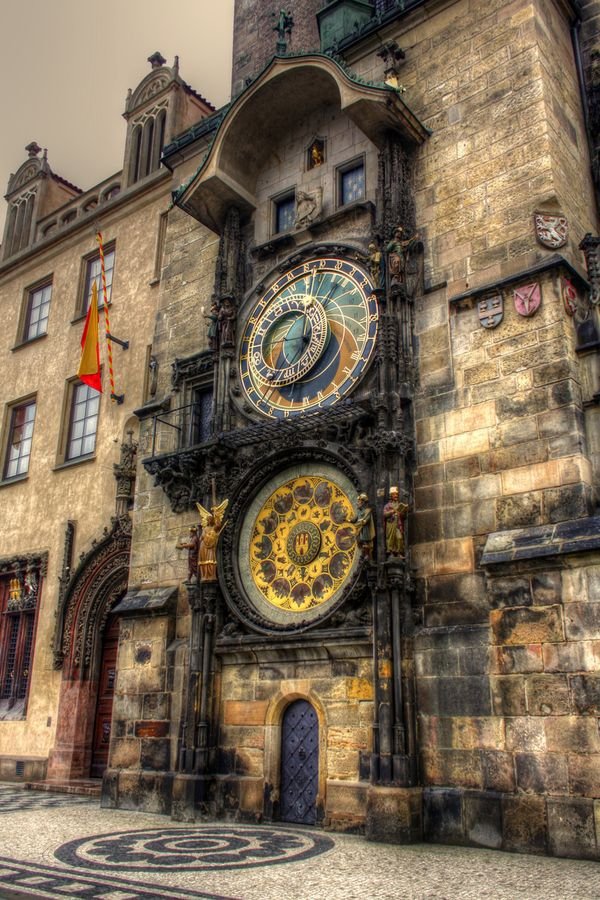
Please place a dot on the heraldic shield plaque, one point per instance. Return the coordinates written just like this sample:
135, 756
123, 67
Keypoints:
491, 311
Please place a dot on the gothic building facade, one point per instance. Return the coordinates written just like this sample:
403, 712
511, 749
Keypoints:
352, 578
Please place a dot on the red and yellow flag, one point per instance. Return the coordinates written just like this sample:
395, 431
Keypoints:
89, 364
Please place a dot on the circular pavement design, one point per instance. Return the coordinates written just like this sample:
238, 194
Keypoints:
201, 849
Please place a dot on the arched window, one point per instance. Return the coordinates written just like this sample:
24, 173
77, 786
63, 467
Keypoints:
136, 152
147, 147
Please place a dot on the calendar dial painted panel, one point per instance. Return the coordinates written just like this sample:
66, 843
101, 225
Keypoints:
298, 547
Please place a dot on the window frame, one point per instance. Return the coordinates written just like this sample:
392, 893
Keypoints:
277, 204
75, 387
18, 627
63, 460
86, 279
349, 166
9, 427
28, 295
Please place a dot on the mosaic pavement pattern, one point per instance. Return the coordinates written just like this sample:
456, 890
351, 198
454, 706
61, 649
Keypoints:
31, 880
203, 848
15, 799
65, 846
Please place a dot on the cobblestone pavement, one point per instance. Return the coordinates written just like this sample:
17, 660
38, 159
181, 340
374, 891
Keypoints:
60, 845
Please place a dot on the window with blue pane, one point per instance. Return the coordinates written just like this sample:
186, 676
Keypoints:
352, 184
285, 213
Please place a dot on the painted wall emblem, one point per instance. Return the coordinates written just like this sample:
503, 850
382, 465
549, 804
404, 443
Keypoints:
551, 230
575, 303
527, 299
491, 311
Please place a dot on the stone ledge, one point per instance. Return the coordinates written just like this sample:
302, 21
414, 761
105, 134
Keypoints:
576, 536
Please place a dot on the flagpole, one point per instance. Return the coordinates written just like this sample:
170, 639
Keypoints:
113, 396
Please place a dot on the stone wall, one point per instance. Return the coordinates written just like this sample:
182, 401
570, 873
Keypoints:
338, 681
254, 40
143, 746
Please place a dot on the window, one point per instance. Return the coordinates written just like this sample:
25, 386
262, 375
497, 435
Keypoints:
83, 421
36, 314
19, 592
147, 142
284, 213
20, 434
93, 274
351, 183
201, 415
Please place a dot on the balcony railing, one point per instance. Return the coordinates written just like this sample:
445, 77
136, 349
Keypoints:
179, 429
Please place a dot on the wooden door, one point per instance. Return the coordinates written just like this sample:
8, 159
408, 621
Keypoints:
299, 763
106, 689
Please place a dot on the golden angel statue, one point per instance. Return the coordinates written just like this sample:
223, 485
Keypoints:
212, 526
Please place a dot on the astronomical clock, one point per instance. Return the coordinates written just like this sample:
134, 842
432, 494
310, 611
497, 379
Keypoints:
309, 339
307, 380
306, 344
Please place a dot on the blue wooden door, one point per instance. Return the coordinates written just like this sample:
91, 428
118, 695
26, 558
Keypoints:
299, 763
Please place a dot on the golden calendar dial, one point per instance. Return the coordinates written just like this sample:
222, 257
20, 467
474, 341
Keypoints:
298, 548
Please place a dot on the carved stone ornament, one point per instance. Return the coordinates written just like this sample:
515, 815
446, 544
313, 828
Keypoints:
491, 311
527, 299
569, 295
591, 250
551, 230
308, 207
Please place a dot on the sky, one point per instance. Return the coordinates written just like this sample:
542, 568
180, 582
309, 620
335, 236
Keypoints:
66, 66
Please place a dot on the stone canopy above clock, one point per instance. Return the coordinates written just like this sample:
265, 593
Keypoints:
270, 112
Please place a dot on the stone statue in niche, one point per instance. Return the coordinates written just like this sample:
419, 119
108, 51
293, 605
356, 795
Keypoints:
377, 265
394, 517
398, 252
365, 526
213, 327
308, 207
192, 545
226, 322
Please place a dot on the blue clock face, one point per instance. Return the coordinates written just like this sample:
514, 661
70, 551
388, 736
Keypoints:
309, 339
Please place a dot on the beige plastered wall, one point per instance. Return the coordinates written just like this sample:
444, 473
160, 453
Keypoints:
36, 510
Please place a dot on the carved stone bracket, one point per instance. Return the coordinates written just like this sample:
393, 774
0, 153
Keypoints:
201, 364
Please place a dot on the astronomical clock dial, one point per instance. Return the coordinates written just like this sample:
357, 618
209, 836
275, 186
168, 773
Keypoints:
309, 339
298, 547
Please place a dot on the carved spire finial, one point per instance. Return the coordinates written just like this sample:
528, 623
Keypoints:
33, 149
156, 60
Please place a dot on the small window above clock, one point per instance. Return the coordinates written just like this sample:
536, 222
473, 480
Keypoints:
284, 212
351, 182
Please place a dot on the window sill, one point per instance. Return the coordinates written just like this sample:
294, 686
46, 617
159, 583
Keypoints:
18, 479
33, 340
91, 457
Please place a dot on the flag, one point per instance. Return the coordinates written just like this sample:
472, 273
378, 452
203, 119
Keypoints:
89, 364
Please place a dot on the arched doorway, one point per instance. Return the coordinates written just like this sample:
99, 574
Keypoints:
299, 763
104, 704
82, 648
